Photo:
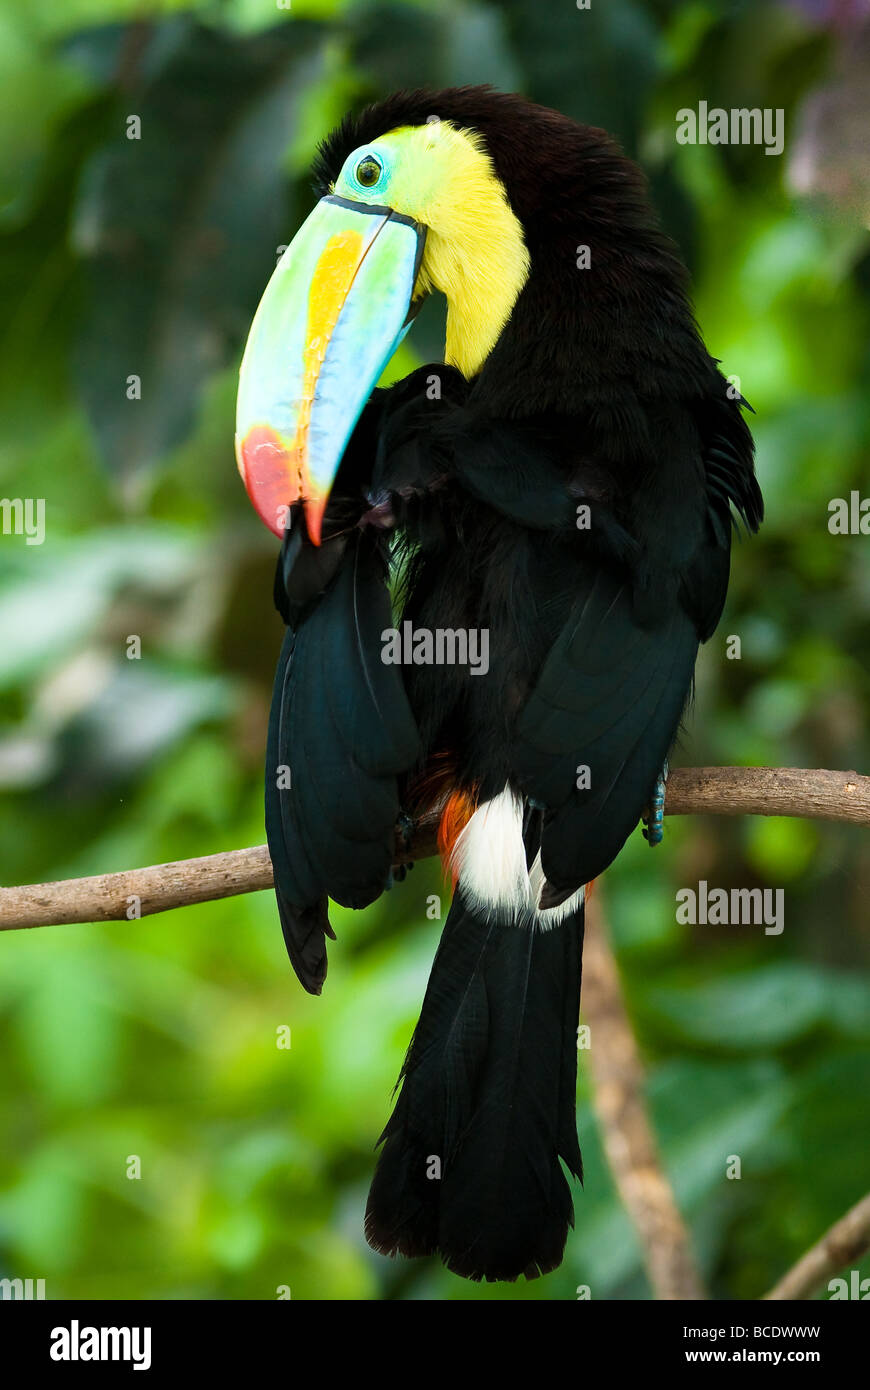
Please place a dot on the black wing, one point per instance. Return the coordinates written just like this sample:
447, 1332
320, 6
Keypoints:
605, 711
340, 732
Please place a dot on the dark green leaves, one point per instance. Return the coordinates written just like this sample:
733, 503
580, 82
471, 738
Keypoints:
180, 224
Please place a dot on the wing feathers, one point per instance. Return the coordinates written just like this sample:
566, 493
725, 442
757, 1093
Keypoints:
342, 725
598, 726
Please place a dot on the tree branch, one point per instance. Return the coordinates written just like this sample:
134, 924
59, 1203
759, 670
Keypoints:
726, 791
629, 1142
844, 1244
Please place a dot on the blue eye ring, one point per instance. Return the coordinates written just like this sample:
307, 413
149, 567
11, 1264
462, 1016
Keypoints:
368, 171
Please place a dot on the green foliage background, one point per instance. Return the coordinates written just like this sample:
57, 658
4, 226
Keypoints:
158, 1038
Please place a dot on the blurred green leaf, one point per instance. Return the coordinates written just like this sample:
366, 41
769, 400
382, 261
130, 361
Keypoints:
183, 232
764, 1008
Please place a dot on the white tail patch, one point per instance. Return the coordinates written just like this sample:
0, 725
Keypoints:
489, 860
551, 916
489, 857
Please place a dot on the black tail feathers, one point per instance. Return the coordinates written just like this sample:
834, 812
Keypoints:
470, 1165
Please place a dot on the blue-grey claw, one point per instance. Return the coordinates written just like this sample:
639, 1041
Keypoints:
654, 816
405, 828
405, 832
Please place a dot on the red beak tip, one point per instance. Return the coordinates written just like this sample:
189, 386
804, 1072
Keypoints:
268, 468
275, 481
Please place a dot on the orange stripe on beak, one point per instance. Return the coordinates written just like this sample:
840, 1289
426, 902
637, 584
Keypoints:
341, 259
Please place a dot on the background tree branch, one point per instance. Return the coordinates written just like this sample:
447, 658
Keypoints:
816, 794
845, 1243
626, 1130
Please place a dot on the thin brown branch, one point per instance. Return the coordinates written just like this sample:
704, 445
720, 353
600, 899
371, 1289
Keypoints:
136, 893
629, 1142
847, 1241
811, 793
725, 791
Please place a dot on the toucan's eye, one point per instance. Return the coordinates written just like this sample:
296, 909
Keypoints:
368, 171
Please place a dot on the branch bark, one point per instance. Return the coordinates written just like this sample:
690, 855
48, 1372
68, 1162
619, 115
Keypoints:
629, 1142
726, 791
843, 1244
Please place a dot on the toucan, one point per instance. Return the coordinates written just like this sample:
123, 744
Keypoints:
557, 494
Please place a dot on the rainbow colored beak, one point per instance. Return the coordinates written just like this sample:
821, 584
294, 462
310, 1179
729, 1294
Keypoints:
334, 312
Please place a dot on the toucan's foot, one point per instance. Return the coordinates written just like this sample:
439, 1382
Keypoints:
654, 815
405, 828
405, 832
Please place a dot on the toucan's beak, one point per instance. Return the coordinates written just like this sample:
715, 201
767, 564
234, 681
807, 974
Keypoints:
333, 313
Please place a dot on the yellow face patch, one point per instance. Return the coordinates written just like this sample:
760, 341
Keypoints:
475, 253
